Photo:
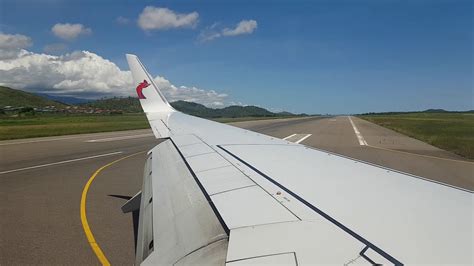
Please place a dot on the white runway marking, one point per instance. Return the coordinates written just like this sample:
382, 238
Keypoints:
359, 136
297, 138
289, 136
120, 138
38, 140
61, 162
303, 138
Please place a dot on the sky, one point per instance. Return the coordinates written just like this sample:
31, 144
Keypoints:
322, 57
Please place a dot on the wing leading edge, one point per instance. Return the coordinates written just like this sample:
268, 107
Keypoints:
280, 202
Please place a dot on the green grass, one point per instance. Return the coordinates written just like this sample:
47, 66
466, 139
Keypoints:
17, 98
55, 125
449, 131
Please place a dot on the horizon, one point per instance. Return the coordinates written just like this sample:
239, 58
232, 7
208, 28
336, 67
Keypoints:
78, 101
310, 57
411, 111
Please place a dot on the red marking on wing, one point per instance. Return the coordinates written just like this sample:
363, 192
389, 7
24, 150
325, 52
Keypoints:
140, 87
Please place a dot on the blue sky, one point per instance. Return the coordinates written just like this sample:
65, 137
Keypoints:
304, 56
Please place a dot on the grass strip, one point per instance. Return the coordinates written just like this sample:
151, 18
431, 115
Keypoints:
57, 125
453, 132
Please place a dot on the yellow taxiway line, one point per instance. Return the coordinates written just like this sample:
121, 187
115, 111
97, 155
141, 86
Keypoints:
85, 225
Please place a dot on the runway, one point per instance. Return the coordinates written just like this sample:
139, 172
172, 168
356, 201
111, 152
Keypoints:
383, 147
42, 181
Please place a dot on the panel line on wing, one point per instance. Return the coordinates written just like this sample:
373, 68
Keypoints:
220, 238
210, 169
276, 211
362, 254
263, 256
231, 164
203, 190
229, 190
317, 210
200, 154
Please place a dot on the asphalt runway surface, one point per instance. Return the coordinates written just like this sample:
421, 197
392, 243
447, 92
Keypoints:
42, 181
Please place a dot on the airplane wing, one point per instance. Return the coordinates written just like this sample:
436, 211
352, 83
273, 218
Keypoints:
214, 194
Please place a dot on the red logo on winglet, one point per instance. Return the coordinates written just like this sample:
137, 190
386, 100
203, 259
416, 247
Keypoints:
140, 87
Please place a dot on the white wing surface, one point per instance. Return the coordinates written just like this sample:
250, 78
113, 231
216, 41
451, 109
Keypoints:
214, 194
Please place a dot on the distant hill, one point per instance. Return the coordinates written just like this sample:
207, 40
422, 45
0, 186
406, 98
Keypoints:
200, 110
19, 98
131, 104
435, 111
428, 111
444, 111
63, 99
125, 104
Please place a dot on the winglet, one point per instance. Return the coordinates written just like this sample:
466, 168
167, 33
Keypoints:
151, 98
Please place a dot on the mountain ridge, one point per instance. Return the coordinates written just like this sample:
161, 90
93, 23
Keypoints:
63, 99
19, 98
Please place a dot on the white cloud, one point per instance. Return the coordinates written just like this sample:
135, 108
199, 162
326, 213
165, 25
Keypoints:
88, 75
11, 44
122, 20
69, 31
191, 94
156, 18
244, 27
13, 41
79, 73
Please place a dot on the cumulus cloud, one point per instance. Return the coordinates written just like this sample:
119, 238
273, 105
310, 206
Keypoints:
88, 75
244, 27
11, 45
79, 73
191, 94
213, 32
156, 18
69, 31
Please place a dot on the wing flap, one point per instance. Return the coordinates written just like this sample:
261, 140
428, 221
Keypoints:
313, 243
183, 218
224, 179
250, 206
